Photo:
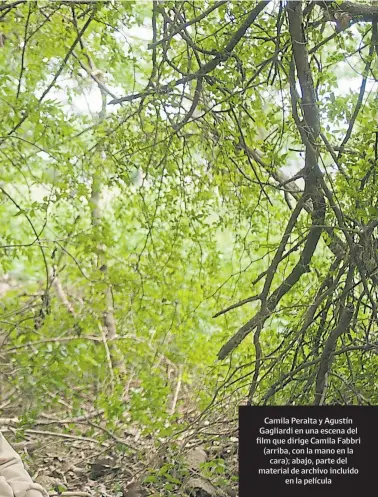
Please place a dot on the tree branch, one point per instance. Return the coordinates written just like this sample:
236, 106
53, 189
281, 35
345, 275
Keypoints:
184, 25
328, 351
206, 68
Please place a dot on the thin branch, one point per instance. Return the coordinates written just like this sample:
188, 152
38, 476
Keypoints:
206, 68
22, 69
328, 351
360, 95
184, 25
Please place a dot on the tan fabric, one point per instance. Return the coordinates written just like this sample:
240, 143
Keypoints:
14, 479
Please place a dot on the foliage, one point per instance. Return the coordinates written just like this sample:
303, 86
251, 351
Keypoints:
153, 155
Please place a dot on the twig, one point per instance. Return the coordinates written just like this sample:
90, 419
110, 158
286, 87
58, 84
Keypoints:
184, 25
108, 355
72, 493
62, 295
360, 96
94, 76
206, 68
61, 435
329, 348
236, 305
177, 391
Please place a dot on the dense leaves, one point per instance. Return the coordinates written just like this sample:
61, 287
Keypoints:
165, 162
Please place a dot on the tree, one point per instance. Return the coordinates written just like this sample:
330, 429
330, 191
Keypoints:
225, 171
